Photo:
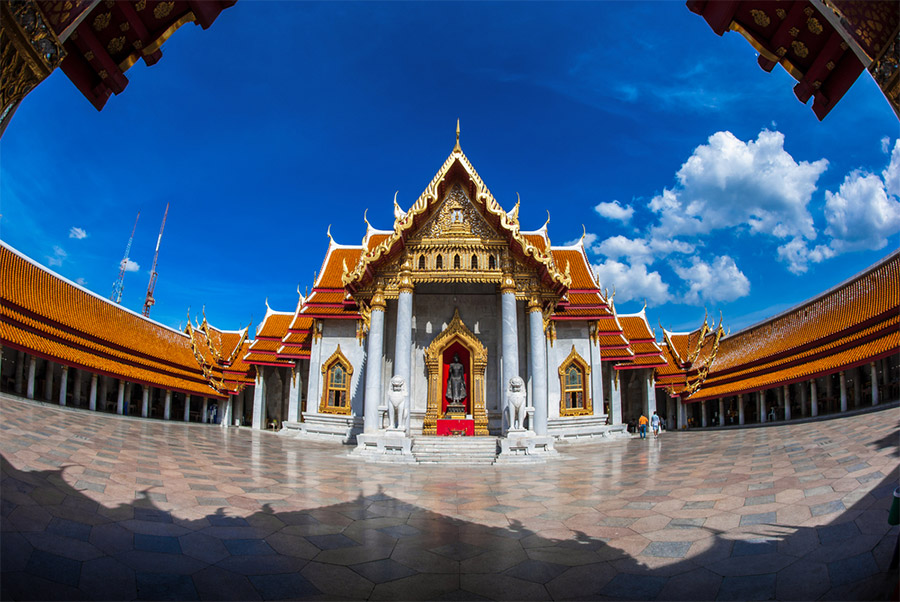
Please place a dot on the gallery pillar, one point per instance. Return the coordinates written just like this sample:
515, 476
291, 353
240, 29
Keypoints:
294, 387
615, 397
77, 386
843, 384
538, 356
721, 411
873, 378
374, 352
259, 401
596, 372
509, 338
703, 414
120, 398
145, 401
63, 384
167, 407
92, 400
32, 368
787, 402
20, 367
227, 412
204, 415
813, 399
761, 406
403, 340
804, 400
650, 392
740, 401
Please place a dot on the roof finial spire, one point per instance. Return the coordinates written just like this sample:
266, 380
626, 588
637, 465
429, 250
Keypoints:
457, 147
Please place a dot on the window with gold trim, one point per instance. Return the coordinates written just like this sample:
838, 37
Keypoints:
336, 373
574, 381
474, 262
421, 262
439, 263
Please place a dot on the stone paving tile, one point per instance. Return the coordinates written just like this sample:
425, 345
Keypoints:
157, 510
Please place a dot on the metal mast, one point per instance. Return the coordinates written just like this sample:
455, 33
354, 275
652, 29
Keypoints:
119, 284
150, 301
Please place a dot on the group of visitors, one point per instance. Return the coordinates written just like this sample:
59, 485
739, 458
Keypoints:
655, 423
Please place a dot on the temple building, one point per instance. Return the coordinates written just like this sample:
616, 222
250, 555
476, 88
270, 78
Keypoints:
455, 321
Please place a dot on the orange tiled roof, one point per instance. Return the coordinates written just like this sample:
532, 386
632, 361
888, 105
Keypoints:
49, 316
579, 268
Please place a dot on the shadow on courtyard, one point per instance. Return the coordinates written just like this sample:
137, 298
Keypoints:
58, 544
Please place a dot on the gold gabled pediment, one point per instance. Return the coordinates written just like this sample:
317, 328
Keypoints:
456, 217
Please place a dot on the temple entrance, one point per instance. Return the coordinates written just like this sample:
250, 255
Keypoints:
458, 398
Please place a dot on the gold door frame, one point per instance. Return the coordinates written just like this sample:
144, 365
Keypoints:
434, 362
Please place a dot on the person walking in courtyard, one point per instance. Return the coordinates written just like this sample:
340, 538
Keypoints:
642, 425
654, 424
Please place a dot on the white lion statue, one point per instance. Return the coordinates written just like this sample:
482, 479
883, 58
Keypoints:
397, 407
515, 396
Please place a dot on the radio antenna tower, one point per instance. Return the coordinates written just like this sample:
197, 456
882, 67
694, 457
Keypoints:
119, 284
150, 301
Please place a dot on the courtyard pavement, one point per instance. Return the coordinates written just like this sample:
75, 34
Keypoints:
96, 506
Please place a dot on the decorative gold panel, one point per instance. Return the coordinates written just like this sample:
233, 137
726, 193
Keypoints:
455, 332
336, 358
575, 359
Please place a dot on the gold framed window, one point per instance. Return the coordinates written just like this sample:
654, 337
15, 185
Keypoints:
336, 374
574, 386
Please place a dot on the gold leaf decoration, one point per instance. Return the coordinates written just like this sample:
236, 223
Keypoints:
781, 50
141, 5
124, 26
829, 65
781, 14
163, 9
794, 32
103, 74
115, 45
814, 25
89, 55
101, 21
800, 49
760, 18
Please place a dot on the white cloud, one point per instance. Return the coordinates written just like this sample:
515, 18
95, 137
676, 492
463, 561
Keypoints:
130, 266
886, 144
720, 281
615, 211
77, 233
59, 255
861, 215
589, 239
728, 183
81, 281
640, 250
632, 282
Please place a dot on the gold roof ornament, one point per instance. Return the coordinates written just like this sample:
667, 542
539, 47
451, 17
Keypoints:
457, 148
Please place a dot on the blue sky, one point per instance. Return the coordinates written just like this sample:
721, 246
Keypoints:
702, 182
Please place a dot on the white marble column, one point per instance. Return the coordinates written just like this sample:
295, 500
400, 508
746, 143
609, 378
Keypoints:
703, 413
509, 337
538, 357
145, 401
49, 369
187, 407
813, 399
227, 412
650, 388
167, 407
761, 406
92, 400
238, 410
615, 396
843, 385
596, 374
403, 338
740, 401
787, 402
120, 398
721, 411
873, 377
204, 414
374, 366
32, 368
63, 384
682, 413
295, 385
259, 401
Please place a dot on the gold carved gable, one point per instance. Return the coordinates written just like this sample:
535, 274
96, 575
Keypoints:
456, 217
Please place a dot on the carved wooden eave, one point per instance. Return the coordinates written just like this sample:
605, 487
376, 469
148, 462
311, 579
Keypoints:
457, 169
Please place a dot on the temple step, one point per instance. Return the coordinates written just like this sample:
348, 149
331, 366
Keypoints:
455, 450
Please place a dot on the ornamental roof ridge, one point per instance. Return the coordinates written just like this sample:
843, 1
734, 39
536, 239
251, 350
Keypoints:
86, 290
405, 220
332, 246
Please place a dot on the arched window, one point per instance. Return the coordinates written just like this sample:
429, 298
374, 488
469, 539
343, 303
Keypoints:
456, 262
492, 263
439, 263
575, 399
421, 262
474, 262
336, 373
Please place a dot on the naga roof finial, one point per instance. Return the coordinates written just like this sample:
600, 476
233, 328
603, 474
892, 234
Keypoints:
457, 147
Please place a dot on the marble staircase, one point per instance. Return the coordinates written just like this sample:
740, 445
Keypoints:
454, 450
